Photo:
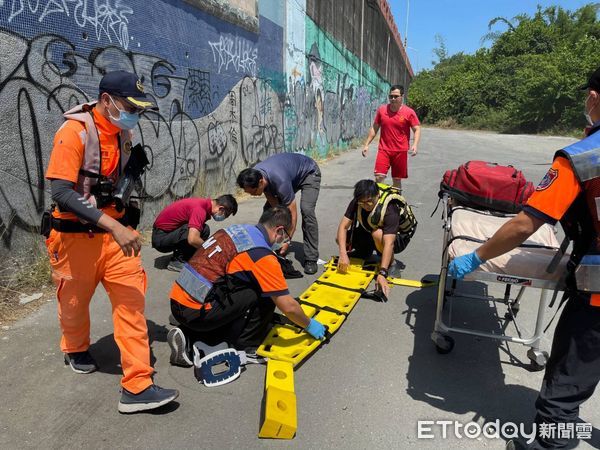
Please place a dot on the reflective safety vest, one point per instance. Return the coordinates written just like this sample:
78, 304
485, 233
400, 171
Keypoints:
90, 171
209, 265
387, 194
582, 221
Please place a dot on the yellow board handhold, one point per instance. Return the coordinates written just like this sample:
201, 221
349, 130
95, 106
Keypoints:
328, 300
356, 265
353, 279
280, 374
287, 343
324, 295
331, 320
281, 421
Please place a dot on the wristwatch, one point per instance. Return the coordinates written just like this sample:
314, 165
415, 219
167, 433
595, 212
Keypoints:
383, 272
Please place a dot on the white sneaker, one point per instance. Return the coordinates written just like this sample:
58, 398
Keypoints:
253, 358
178, 345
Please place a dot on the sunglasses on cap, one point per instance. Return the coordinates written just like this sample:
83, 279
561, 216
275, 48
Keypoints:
125, 105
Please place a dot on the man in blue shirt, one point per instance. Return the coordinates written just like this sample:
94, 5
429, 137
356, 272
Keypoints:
279, 177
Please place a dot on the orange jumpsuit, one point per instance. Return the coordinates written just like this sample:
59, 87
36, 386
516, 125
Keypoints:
81, 260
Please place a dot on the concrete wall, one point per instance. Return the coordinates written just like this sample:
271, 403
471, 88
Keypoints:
367, 29
235, 82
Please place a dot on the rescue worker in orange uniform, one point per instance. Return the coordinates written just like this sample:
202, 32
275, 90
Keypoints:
568, 193
91, 242
229, 289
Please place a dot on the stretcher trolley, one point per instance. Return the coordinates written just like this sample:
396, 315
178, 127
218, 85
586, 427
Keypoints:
539, 262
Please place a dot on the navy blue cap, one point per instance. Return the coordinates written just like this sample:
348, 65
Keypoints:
127, 86
593, 82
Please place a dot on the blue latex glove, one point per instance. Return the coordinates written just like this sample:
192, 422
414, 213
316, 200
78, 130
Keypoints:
462, 265
316, 329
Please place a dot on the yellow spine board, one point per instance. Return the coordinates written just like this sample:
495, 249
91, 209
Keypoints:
280, 374
280, 421
280, 417
328, 300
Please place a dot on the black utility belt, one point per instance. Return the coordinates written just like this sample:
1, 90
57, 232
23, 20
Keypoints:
71, 226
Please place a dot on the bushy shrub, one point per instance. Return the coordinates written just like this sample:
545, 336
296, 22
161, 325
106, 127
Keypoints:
527, 81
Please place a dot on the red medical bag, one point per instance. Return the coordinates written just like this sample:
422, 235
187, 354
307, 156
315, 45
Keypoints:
485, 185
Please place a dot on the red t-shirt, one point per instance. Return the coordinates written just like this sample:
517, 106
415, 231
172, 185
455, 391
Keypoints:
193, 211
395, 127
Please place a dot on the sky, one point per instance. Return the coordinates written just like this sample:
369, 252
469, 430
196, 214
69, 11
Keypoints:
461, 23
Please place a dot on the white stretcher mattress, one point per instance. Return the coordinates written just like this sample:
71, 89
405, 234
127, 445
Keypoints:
521, 262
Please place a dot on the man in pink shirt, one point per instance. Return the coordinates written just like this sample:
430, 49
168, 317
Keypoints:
181, 227
396, 120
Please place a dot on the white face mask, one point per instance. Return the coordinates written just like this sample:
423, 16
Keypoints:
587, 115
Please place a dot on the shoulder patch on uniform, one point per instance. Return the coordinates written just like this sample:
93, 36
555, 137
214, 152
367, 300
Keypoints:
548, 179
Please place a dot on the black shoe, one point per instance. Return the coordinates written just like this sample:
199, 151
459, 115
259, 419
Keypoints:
176, 264
288, 268
81, 362
179, 352
253, 358
376, 295
151, 398
310, 267
395, 270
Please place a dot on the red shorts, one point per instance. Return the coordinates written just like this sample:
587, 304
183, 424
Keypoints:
397, 159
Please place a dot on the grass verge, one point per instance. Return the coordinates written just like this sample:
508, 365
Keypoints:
23, 276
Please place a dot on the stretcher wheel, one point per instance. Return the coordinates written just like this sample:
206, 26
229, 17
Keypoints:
508, 316
515, 310
538, 359
444, 344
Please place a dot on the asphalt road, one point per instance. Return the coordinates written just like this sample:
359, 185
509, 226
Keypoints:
367, 388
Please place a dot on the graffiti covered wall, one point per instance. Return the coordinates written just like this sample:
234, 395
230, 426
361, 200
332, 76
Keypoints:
229, 92
329, 104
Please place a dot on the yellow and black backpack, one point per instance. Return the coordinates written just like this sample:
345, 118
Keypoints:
408, 222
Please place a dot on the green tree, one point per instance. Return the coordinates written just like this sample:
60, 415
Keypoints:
525, 82
441, 51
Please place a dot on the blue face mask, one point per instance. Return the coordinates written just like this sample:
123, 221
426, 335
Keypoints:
218, 217
126, 120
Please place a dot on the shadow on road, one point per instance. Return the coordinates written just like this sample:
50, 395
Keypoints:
470, 379
162, 261
106, 353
